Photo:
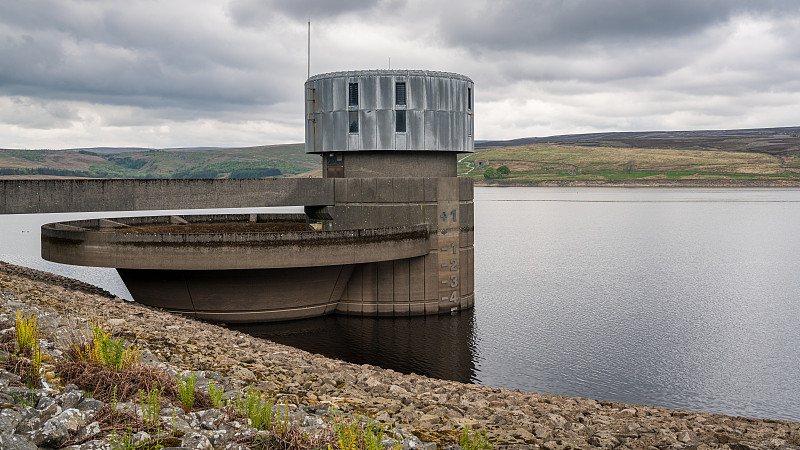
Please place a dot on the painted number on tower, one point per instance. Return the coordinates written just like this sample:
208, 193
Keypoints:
452, 214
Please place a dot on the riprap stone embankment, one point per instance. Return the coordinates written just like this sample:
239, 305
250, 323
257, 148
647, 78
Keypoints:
433, 409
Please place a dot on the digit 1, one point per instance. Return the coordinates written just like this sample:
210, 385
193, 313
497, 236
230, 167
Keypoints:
453, 213
455, 247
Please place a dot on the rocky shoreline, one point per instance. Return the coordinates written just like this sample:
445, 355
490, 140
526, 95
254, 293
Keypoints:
433, 410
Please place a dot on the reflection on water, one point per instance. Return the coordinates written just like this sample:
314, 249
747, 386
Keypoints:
437, 346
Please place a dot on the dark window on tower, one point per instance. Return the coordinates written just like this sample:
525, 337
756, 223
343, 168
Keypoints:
469, 98
353, 95
353, 120
400, 121
400, 93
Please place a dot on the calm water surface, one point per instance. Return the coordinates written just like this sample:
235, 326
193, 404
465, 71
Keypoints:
684, 298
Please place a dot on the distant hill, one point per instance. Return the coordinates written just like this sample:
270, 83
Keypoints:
133, 149
777, 141
108, 162
763, 157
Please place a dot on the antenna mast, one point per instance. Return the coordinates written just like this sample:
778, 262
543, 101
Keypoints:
309, 49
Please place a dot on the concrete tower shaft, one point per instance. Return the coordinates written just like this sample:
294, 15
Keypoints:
390, 139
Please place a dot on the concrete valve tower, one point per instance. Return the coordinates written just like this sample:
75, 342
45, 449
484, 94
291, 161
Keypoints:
390, 139
387, 231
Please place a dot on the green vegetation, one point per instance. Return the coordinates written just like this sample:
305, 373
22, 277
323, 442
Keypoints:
45, 171
27, 336
477, 440
216, 394
258, 408
186, 391
105, 351
125, 441
359, 435
150, 403
128, 162
503, 171
30, 155
542, 163
251, 162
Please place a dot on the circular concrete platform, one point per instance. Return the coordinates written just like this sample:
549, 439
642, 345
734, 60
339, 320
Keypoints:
233, 267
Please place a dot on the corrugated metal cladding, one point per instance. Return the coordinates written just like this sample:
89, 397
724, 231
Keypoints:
438, 105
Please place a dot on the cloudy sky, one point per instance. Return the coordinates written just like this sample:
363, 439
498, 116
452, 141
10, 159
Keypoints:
184, 73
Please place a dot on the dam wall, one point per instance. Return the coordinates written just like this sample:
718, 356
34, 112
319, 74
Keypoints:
80, 195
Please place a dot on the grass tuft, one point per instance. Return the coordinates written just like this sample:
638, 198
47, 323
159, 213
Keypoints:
186, 389
359, 434
150, 402
27, 334
216, 395
477, 440
257, 407
26, 360
105, 350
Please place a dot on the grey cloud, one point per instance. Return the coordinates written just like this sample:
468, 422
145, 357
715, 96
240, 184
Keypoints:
123, 77
28, 113
256, 12
108, 53
557, 25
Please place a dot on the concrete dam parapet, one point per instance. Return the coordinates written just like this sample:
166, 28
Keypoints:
387, 231
78, 195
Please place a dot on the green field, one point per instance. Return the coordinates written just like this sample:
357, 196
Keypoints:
543, 163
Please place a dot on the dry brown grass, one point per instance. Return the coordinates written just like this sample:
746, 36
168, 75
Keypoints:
103, 381
291, 438
23, 367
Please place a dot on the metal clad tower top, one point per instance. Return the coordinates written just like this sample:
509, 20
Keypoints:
389, 110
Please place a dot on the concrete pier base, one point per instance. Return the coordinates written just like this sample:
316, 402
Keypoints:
254, 295
264, 269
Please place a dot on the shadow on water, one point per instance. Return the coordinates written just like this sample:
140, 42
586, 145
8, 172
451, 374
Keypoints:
437, 346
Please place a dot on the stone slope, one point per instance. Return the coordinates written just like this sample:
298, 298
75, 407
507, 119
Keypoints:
432, 409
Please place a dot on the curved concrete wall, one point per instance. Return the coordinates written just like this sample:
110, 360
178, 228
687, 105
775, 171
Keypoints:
104, 243
254, 295
437, 107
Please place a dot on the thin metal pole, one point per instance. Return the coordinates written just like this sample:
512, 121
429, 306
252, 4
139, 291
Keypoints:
309, 50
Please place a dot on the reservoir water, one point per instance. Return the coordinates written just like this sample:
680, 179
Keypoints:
682, 298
